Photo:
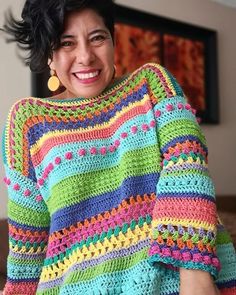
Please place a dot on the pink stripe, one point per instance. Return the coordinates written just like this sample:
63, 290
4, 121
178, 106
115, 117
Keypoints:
125, 215
89, 135
190, 209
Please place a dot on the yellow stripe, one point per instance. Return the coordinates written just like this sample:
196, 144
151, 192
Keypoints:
184, 222
37, 146
93, 251
167, 78
190, 160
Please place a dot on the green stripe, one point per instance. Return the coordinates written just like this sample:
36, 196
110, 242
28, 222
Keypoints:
169, 172
25, 261
27, 216
133, 163
223, 237
184, 127
121, 264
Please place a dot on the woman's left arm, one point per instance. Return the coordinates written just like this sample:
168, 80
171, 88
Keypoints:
184, 217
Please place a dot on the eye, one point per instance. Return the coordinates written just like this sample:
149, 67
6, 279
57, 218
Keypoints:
98, 39
66, 43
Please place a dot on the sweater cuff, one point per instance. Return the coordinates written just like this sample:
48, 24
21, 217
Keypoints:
176, 246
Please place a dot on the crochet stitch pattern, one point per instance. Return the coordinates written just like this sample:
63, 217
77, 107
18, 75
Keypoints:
111, 195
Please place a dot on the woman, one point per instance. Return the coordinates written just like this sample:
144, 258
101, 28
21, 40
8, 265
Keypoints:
109, 191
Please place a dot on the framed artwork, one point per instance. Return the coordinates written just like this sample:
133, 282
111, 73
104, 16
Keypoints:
188, 52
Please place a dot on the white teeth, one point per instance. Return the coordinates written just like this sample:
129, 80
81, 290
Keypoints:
87, 75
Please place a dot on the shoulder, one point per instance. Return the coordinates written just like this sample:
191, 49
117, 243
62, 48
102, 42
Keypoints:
22, 109
16, 128
160, 80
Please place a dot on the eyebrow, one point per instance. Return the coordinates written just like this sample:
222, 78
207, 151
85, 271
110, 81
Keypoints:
65, 36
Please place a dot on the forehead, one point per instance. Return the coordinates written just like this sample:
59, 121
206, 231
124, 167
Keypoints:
84, 20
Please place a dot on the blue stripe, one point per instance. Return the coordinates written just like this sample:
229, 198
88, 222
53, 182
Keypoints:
86, 209
36, 131
188, 195
27, 227
181, 139
229, 284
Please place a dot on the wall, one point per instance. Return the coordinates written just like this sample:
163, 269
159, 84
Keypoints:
15, 79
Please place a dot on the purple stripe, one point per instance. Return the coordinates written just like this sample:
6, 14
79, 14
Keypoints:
186, 167
27, 256
182, 139
91, 263
36, 131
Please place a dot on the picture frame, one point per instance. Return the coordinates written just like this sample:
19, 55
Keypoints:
189, 52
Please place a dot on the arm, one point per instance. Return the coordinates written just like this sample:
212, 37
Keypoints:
28, 217
184, 217
201, 283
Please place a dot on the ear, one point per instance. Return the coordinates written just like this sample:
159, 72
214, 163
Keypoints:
51, 64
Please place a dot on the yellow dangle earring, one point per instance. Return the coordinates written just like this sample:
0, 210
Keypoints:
53, 81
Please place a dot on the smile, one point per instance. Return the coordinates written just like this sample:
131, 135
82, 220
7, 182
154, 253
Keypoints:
86, 76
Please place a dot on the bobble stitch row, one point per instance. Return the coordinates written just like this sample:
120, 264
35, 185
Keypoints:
27, 192
180, 106
93, 150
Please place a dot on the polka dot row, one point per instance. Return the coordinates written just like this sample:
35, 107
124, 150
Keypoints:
81, 152
16, 187
93, 150
180, 106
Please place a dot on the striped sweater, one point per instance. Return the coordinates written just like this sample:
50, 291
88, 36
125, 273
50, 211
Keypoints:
111, 195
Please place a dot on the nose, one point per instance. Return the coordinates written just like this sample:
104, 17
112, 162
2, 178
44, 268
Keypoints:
85, 55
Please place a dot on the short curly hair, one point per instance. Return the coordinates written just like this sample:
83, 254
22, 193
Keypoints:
42, 24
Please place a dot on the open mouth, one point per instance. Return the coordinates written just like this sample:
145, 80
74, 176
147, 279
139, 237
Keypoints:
87, 76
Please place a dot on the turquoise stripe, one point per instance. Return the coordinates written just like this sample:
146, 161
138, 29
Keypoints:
18, 196
23, 272
140, 279
87, 144
227, 257
74, 167
186, 184
175, 115
4, 156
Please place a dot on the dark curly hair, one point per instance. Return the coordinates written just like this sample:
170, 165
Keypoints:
42, 24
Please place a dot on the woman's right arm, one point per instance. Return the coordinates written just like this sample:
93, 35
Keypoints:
28, 217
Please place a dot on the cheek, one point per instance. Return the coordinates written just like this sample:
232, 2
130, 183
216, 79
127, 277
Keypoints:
61, 62
109, 56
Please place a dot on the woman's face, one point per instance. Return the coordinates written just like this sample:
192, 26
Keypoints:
84, 62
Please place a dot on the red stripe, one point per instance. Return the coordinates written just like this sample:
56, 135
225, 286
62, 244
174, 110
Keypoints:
88, 135
192, 209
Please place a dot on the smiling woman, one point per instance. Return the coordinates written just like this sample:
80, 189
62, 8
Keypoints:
84, 61
109, 190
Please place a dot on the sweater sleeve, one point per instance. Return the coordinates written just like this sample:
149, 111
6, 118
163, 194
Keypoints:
28, 217
184, 217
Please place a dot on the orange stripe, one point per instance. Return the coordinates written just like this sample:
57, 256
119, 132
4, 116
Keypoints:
97, 134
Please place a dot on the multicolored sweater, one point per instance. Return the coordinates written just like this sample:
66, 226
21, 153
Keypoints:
111, 195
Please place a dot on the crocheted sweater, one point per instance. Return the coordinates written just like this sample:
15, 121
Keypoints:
111, 195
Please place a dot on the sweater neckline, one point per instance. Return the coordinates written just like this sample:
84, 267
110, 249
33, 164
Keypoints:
114, 86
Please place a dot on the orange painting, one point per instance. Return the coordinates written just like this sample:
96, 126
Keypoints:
134, 47
184, 58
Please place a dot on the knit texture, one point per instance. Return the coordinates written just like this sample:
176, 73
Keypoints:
111, 195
